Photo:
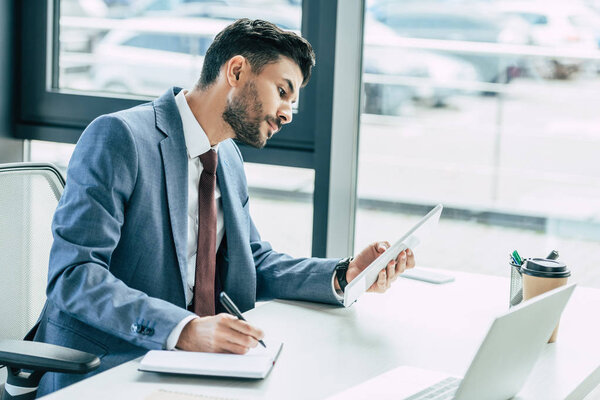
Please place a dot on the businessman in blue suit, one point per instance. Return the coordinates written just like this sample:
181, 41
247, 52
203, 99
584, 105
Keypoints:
147, 232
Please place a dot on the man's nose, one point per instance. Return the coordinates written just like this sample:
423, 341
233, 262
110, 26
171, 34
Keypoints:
285, 113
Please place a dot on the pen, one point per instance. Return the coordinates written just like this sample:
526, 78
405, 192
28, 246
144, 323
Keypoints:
514, 260
553, 255
232, 309
517, 257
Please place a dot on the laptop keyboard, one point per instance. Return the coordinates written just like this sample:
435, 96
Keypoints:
442, 390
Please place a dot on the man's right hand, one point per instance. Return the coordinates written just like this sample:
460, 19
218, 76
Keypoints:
222, 333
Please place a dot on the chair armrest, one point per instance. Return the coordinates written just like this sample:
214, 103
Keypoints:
38, 356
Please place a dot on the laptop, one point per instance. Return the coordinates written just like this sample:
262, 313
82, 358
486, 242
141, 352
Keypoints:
499, 369
409, 240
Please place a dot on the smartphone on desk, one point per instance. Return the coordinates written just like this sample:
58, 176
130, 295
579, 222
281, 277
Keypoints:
424, 275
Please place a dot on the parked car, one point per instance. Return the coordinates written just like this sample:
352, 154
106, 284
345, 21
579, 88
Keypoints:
465, 23
563, 26
83, 8
140, 8
286, 16
395, 76
79, 38
150, 54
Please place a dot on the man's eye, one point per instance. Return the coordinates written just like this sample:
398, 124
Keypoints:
281, 92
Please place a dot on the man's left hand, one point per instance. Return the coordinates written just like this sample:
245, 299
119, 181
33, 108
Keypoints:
404, 260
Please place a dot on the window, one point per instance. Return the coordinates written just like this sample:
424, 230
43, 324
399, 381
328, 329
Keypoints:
93, 39
87, 58
281, 206
506, 135
68, 81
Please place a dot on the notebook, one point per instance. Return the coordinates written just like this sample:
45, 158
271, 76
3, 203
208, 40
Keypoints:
499, 369
255, 364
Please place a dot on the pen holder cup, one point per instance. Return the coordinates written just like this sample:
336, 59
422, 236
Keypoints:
516, 285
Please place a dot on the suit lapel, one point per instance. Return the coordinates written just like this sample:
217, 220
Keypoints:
174, 157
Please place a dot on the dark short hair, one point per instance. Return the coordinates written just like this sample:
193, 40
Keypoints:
261, 43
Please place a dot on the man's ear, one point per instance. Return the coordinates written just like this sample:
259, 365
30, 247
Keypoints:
236, 70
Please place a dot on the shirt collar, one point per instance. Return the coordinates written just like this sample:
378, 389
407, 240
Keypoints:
196, 140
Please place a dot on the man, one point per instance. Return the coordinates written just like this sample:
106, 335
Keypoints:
147, 232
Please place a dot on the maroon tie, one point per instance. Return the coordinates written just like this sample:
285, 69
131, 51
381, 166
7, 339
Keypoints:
206, 258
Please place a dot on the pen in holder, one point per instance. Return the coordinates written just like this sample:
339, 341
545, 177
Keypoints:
516, 275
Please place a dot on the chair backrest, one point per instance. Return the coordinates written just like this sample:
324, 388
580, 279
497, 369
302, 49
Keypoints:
29, 194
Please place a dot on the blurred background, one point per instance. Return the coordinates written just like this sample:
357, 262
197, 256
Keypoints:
489, 107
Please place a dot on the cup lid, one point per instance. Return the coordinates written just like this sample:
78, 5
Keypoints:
545, 268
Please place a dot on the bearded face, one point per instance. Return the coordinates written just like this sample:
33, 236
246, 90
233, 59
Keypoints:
244, 113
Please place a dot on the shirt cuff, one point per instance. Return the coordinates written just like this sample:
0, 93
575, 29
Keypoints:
339, 295
176, 332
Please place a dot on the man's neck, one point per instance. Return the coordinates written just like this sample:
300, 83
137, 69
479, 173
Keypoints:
208, 105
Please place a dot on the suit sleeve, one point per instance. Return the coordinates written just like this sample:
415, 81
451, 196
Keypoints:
283, 277
87, 227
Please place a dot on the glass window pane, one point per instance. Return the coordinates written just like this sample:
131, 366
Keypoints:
142, 47
281, 206
58, 154
504, 134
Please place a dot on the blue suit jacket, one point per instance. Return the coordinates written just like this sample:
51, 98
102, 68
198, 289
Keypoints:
118, 262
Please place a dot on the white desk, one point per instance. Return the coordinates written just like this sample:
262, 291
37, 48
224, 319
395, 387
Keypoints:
328, 348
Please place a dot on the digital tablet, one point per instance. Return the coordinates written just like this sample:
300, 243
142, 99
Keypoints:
411, 239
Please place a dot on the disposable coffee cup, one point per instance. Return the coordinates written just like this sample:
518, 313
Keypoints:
541, 275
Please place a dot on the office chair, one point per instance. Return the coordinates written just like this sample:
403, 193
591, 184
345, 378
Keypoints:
29, 194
